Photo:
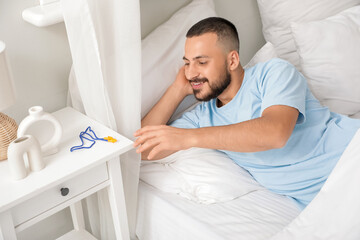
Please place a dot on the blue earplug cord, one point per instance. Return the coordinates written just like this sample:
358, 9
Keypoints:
89, 135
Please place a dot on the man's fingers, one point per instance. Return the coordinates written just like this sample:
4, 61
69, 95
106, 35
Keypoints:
146, 133
144, 137
143, 130
154, 152
138, 142
138, 132
147, 145
152, 139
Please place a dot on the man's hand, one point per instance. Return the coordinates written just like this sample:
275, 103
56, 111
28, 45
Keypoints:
155, 139
161, 141
166, 106
182, 83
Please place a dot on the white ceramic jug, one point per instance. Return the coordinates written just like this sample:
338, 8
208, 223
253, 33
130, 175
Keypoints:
37, 124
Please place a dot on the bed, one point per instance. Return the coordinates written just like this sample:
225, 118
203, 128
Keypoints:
305, 33
257, 215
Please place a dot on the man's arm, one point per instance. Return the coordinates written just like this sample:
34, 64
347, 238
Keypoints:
270, 131
166, 106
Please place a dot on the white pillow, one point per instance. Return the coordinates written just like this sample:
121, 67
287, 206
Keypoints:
276, 16
163, 49
265, 53
201, 175
329, 51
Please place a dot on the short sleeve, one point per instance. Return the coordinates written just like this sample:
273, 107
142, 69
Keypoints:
189, 119
282, 84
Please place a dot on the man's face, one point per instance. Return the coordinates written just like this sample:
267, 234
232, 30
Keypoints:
206, 66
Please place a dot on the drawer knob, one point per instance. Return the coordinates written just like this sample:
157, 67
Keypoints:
64, 191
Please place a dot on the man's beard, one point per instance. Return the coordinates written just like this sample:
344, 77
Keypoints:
216, 88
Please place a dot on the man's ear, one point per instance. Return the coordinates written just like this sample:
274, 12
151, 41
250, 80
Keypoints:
233, 60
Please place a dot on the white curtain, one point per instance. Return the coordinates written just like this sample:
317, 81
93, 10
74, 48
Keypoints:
105, 83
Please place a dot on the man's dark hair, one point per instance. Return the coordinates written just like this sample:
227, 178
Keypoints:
224, 29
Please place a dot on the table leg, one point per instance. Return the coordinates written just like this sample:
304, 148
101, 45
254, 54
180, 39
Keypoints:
117, 200
77, 215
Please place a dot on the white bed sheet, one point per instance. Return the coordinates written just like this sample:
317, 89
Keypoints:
257, 215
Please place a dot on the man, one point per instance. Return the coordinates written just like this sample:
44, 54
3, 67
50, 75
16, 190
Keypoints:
264, 118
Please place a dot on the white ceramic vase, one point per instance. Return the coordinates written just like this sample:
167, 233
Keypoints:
29, 145
43, 126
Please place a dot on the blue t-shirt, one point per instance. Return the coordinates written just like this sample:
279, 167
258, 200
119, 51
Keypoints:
301, 167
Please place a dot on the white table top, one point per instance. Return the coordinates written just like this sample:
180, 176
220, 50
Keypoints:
64, 164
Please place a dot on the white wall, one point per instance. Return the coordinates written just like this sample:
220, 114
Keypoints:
40, 59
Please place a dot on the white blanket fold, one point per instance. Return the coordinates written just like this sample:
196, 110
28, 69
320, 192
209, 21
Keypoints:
334, 212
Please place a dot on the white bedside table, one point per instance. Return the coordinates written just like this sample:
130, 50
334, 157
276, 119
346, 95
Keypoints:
80, 173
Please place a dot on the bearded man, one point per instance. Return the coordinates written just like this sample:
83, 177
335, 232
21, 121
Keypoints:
264, 118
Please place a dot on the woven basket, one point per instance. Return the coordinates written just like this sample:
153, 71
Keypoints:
8, 129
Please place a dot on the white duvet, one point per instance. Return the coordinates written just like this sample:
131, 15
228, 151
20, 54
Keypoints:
333, 214
202, 175
335, 211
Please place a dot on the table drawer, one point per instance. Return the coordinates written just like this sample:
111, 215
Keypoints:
53, 197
